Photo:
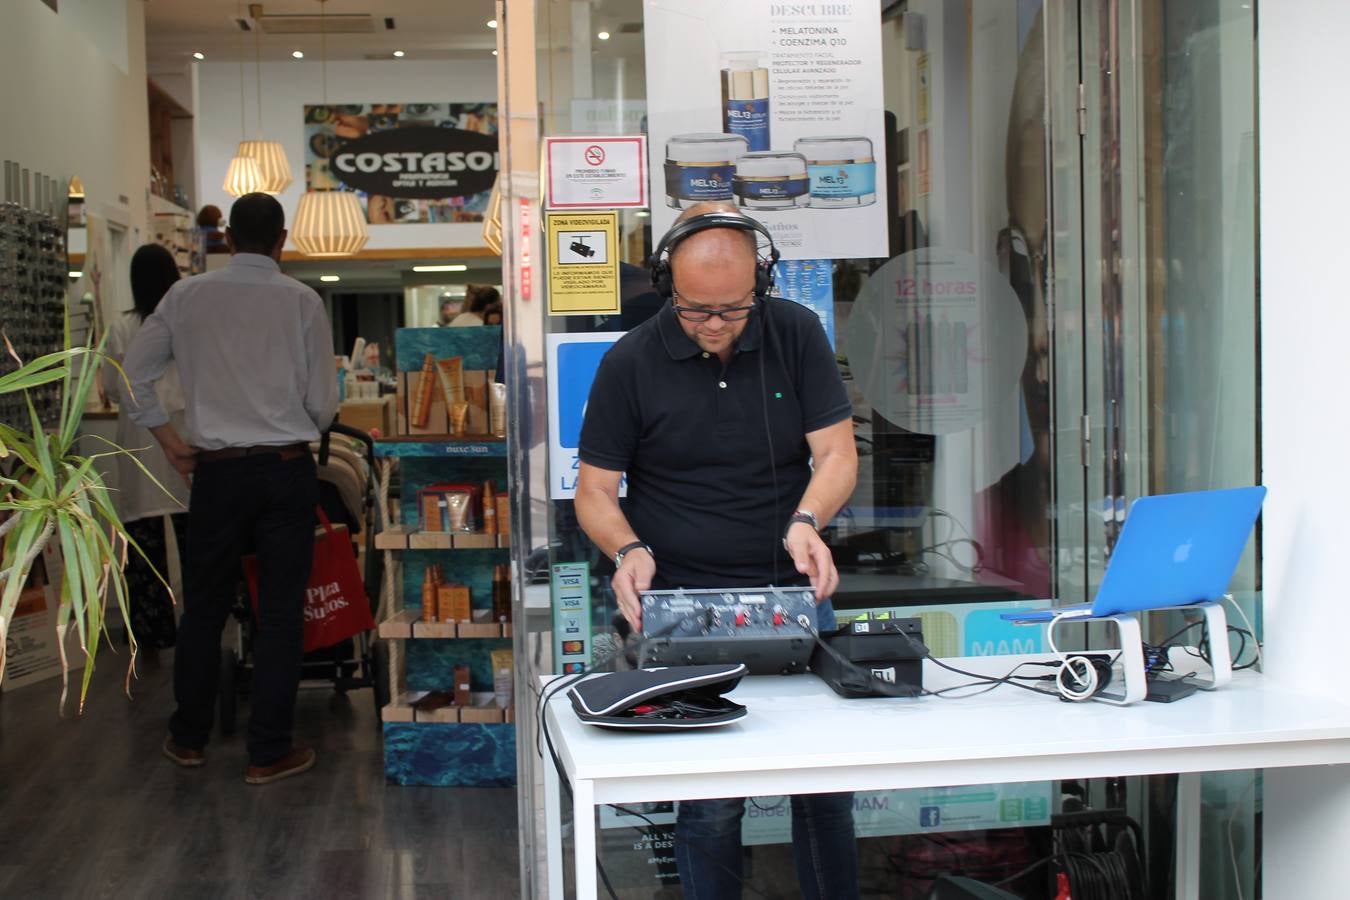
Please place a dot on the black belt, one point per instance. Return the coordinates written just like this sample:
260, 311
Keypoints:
285, 451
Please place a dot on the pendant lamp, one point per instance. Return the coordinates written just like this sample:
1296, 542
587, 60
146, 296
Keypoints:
274, 172
243, 176
273, 168
329, 223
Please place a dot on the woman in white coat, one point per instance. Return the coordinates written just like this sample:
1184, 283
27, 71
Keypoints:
141, 504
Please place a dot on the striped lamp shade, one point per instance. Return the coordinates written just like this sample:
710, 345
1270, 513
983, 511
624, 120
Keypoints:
329, 223
272, 165
243, 176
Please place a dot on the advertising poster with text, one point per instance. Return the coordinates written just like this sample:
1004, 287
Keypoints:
776, 107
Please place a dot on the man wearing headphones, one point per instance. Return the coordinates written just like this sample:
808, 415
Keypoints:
727, 413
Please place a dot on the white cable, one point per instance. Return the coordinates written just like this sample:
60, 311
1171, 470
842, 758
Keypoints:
1248, 622
1079, 668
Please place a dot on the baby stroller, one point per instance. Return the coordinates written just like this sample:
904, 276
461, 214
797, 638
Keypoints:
346, 466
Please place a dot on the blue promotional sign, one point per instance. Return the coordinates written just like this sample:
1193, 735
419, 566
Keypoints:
572, 360
809, 282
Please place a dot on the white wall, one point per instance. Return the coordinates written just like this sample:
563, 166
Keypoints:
72, 110
1305, 429
289, 86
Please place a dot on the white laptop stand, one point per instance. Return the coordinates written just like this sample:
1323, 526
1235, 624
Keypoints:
1130, 644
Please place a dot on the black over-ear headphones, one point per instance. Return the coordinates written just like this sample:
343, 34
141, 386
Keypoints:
664, 282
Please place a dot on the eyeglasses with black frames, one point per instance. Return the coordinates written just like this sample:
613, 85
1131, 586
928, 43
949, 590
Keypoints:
703, 313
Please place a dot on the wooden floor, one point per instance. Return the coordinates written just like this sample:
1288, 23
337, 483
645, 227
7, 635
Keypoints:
90, 809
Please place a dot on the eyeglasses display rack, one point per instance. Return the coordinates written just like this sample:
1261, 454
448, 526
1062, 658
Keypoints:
33, 277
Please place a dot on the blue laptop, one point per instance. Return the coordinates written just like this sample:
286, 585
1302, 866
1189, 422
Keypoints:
1174, 550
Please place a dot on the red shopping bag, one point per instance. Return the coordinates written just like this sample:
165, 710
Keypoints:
336, 605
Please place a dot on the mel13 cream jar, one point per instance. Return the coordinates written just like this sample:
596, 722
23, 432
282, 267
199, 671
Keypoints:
701, 167
773, 179
841, 170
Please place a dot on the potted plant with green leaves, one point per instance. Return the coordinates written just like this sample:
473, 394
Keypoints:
50, 492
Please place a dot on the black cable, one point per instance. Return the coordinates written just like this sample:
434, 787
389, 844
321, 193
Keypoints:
551, 690
774, 524
1025, 872
988, 682
604, 876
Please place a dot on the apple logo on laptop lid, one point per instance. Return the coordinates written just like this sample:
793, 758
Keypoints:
1183, 551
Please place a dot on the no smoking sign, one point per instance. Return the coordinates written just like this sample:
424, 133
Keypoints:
596, 172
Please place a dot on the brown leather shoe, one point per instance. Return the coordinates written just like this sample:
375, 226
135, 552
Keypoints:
188, 759
300, 759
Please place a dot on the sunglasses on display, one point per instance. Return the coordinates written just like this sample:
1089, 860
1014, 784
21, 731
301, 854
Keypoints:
33, 282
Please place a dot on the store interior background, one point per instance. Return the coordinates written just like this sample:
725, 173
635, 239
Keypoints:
93, 60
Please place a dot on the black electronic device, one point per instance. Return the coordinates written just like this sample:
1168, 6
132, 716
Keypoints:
1165, 690
769, 629
873, 657
581, 248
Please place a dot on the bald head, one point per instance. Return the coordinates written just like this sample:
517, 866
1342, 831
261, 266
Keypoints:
723, 207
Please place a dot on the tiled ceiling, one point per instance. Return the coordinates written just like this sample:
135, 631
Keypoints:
422, 29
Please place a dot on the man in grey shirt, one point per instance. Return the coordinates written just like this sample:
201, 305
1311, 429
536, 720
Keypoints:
255, 356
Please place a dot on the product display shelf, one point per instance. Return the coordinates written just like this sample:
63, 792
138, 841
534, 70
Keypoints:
401, 537
472, 744
484, 711
406, 625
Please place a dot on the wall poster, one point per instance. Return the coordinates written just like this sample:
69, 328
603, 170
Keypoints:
408, 162
777, 107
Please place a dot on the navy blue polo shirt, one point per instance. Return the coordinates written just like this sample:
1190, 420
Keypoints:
691, 435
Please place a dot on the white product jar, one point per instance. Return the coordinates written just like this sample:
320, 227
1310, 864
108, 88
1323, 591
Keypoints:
771, 179
842, 170
701, 166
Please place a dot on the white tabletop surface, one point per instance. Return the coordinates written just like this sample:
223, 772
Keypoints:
799, 735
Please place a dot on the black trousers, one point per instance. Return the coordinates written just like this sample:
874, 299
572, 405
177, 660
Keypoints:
257, 502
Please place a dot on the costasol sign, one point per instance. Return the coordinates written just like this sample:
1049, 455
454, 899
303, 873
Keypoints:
410, 163
425, 163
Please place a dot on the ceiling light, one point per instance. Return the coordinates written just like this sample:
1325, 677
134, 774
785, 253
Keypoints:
492, 23
642, 214
604, 35
243, 176
274, 171
494, 52
199, 55
398, 54
329, 223
298, 54
330, 278
452, 268
74, 274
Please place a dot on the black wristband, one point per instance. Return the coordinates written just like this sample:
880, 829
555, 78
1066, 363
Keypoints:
629, 548
802, 517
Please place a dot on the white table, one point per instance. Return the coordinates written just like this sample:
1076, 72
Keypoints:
799, 737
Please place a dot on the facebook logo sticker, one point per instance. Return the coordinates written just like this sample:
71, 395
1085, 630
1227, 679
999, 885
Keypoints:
573, 360
577, 364
930, 816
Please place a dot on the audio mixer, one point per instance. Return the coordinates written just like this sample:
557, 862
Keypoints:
768, 629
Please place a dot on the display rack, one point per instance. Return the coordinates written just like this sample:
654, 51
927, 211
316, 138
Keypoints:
33, 283
176, 230
469, 744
